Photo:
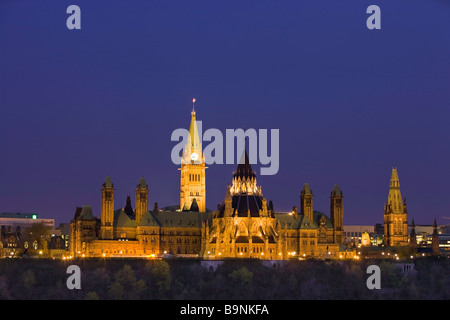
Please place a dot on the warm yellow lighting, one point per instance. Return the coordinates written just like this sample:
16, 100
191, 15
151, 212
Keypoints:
104, 255
241, 253
262, 253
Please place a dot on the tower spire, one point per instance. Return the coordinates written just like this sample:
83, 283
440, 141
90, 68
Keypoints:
395, 197
192, 184
193, 144
395, 214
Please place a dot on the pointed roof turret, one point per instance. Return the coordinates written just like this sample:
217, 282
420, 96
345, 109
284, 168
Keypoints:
228, 194
413, 228
395, 182
244, 169
395, 202
86, 213
142, 183
336, 191
185, 207
435, 239
412, 235
108, 183
194, 206
128, 208
306, 189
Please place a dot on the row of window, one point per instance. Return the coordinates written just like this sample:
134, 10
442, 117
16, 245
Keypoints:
304, 235
178, 240
169, 233
353, 234
194, 177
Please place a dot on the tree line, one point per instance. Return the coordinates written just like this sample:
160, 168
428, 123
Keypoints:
127, 279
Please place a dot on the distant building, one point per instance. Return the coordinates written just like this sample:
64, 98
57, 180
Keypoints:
12, 220
63, 231
13, 226
353, 234
421, 233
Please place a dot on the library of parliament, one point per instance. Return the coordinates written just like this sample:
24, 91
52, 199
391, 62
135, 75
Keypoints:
244, 225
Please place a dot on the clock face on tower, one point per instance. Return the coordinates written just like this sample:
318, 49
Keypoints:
194, 156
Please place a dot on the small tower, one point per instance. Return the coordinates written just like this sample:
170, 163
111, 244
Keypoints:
337, 214
141, 200
412, 236
395, 215
107, 213
244, 178
193, 185
228, 203
435, 240
129, 208
306, 202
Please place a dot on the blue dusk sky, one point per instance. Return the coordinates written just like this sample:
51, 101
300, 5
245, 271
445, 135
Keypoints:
350, 103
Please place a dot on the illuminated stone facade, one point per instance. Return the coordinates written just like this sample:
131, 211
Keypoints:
395, 215
245, 225
193, 185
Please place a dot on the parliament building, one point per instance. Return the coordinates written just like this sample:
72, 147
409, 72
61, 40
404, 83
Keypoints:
244, 225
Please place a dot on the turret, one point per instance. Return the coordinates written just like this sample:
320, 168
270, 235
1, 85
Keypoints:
337, 214
412, 236
435, 240
395, 215
306, 202
141, 200
228, 203
193, 180
107, 213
